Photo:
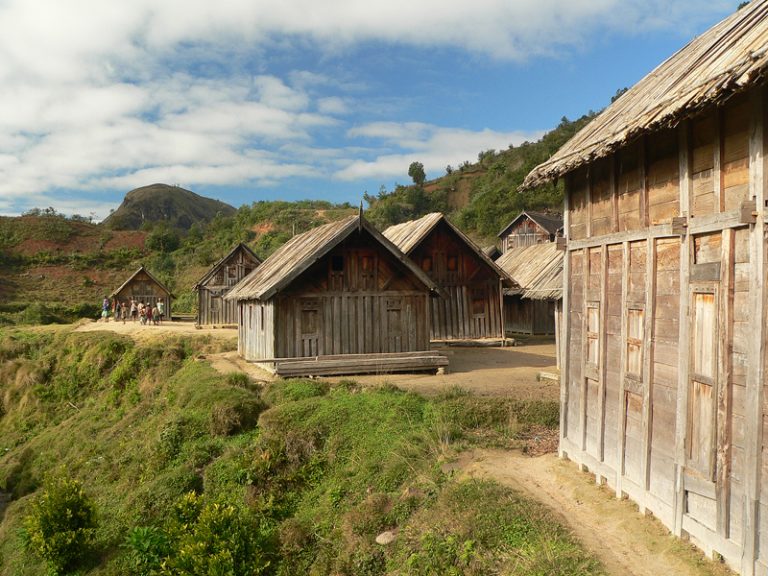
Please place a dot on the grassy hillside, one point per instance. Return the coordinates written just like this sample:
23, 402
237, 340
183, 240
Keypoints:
188, 471
65, 266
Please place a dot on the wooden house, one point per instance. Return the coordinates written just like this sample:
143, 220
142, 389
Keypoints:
337, 299
143, 287
663, 387
530, 228
470, 280
222, 276
529, 307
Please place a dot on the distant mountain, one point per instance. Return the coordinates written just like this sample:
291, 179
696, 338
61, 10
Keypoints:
177, 207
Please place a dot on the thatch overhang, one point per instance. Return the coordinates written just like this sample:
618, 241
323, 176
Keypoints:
294, 257
151, 277
550, 223
537, 269
215, 267
408, 235
729, 58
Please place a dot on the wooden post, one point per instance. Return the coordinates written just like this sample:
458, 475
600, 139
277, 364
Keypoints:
565, 370
648, 349
602, 347
622, 369
723, 418
584, 348
683, 348
755, 367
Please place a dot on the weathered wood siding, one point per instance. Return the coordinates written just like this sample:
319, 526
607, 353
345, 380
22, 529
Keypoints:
357, 299
664, 345
524, 233
211, 305
525, 316
471, 306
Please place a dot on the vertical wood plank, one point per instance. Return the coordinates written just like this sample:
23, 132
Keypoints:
589, 201
756, 355
723, 419
623, 369
565, 371
717, 151
683, 367
584, 351
614, 193
643, 169
603, 345
649, 316
684, 148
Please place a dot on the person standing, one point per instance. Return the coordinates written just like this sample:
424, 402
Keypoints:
160, 310
105, 309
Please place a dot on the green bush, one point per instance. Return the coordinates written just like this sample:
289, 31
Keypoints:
147, 545
61, 525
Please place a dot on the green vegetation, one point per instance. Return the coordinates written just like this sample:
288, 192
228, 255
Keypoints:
192, 472
493, 182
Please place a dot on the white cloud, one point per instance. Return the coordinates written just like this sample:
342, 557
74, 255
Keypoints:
433, 146
106, 93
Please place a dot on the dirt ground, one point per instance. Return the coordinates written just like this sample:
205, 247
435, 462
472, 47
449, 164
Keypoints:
627, 543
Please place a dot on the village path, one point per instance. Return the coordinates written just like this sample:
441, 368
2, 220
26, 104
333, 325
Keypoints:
627, 543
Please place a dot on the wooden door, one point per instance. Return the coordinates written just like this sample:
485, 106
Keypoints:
309, 326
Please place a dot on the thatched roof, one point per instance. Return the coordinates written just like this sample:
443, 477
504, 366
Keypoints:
551, 223
727, 59
295, 256
408, 235
141, 269
538, 269
215, 268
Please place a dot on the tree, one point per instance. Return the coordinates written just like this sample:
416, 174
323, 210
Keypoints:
416, 172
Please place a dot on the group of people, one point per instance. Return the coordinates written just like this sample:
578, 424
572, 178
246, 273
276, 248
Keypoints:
145, 313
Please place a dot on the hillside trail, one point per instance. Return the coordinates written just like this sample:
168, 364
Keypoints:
626, 542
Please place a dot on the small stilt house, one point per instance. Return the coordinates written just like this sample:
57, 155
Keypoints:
666, 302
471, 281
143, 287
534, 305
531, 228
212, 309
337, 299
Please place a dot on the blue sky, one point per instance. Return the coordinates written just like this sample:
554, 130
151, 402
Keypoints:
245, 100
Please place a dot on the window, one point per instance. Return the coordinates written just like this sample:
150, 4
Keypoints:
634, 367
453, 263
426, 263
337, 263
593, 334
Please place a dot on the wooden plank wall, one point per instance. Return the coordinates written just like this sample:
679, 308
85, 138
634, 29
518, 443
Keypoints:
351, 323
256, 330
625, 264
525, 316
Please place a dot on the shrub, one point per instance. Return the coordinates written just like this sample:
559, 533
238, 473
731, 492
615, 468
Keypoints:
148, 546
62, 523
230, 418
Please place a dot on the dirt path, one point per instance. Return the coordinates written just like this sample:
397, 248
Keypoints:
627, 543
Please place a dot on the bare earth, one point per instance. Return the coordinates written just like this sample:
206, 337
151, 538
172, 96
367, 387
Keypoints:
627, 543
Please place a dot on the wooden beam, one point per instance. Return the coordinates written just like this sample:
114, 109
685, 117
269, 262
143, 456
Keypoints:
756, 351
584, 349
623, 368
603, 344
565, 336
648, 349
723, 398
683, 365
